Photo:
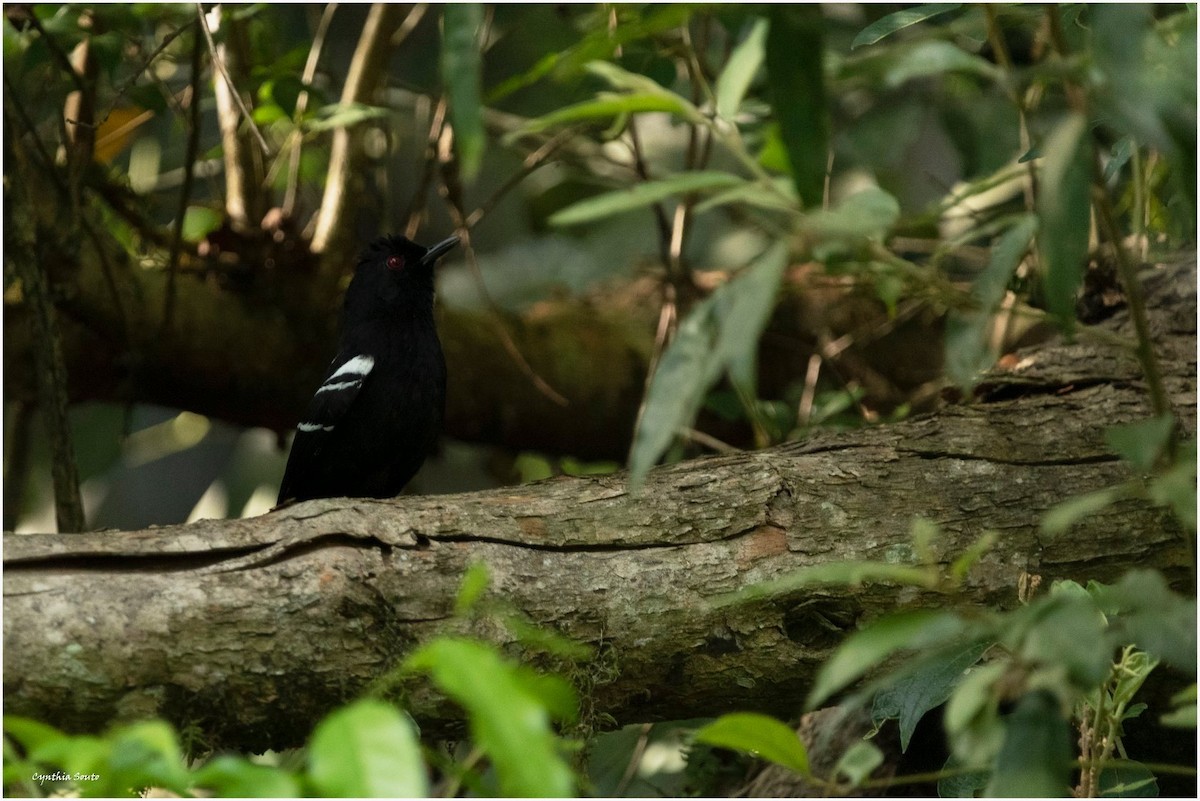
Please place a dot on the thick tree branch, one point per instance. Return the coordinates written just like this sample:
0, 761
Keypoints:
252, 629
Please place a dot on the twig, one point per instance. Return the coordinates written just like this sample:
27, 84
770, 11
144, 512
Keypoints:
660, 215
635, 759
220, 65
531, 162
185, 192
366, 69
295, 140
416, 206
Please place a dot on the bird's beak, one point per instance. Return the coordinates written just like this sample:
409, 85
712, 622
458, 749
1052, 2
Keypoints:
437, 251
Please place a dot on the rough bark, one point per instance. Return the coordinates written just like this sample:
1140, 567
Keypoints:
251, 629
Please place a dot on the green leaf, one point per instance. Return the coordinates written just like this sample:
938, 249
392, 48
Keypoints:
1176, 488
236, 777
344, 115
758, 735
1064, 633
1122, 150
1142, 442
642, 195
968, 350
867, 214
605, 106
973, 727
1061, 517
899, 20
960, 784
742, 309
1035, 760
1064, 208
867, 648
741, 68
754, 194
1148, 614
31, 734
474, 585
366, 749
1127, 779
676, 391
1183, 715
795, 72
851, 574
859, 762
199, 222
509, 723
909, 697
147, 753
719, 335
462, 65
934, 57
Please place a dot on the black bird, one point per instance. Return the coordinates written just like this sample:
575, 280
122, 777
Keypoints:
379, 410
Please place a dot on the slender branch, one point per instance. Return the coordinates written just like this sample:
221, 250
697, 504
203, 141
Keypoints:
233, 90
366, 71
295, 139
185, 192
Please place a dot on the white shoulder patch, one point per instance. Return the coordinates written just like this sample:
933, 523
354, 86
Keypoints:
359, 366
351, 375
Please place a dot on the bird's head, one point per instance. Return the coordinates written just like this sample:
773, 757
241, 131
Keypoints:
393, 273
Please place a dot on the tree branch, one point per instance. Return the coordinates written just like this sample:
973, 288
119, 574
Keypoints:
251, 629
332, 225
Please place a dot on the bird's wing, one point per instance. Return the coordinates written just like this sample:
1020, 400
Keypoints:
328, 407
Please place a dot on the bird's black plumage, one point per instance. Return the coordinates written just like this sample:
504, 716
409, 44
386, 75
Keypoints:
379, 409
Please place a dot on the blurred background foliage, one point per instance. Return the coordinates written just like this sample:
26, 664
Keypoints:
863, 159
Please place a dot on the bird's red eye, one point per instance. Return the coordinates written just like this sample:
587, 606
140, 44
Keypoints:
395, 262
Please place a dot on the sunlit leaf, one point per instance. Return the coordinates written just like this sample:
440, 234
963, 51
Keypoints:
859, 761
741, 68
899, 20
462, 64
867, 214
508, 722
366, 749
759, 735
237, 777
642, 195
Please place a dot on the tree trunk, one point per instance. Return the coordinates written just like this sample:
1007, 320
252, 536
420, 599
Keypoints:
252, 629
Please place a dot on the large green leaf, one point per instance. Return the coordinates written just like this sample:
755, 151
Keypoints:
968, 352
719, 335
910, 696
684, 373
508, 721
898, 21
366, 749
1035, 760
1140, 443
795, 71
741, 68
236, 777
605, 106
1064, 207
462, 65
759, 735
867, 214
867, 648
642, 195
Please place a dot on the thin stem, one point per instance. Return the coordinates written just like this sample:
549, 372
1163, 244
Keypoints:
295, 139
185, 192
237, 97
